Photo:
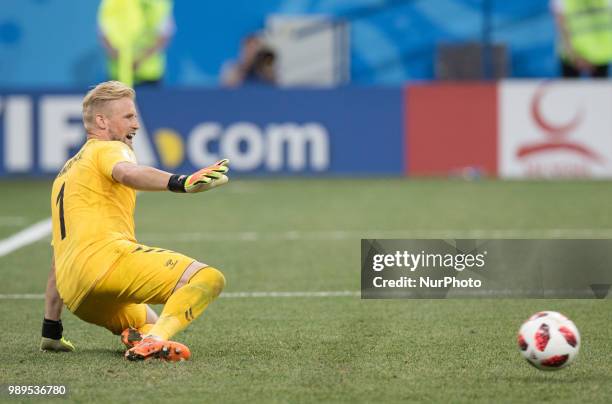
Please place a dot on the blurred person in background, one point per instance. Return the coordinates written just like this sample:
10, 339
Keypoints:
135, 34
256, 64
584, 36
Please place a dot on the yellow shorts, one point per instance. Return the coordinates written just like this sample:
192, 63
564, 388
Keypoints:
142, 275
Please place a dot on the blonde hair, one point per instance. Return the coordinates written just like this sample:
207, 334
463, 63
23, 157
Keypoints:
100, 95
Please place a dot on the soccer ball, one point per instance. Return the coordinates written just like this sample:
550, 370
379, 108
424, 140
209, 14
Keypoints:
549, 340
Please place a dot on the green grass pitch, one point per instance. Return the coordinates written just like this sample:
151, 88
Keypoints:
303, 235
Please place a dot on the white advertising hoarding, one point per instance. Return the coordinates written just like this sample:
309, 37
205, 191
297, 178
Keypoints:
555, 129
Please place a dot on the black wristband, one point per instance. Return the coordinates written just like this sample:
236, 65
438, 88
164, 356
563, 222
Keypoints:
176, 183
52, 329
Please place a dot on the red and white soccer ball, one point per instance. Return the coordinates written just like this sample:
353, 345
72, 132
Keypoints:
549, 340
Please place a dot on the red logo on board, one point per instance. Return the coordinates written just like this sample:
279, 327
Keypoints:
557, 134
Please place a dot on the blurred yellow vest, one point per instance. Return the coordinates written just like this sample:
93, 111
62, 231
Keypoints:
589, 24
131, 27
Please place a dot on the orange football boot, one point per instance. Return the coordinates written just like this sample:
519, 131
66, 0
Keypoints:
130, 337
150, 348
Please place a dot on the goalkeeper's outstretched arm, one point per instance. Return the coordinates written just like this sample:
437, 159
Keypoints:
52, 328
146, 178
142, 178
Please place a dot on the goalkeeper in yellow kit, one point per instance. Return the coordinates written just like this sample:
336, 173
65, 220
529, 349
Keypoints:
99, 270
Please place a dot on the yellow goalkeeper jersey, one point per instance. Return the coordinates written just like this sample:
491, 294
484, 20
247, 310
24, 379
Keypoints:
92, 216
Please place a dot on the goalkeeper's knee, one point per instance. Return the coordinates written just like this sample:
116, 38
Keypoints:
212, 278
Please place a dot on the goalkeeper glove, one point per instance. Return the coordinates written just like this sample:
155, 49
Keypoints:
52, 339
202, 180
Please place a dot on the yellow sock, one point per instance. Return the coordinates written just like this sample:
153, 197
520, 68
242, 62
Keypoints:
187, 303
145, 329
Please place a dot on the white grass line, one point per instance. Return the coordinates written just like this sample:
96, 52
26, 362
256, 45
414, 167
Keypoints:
374, 234
228, 295
23, 296
42, 229
25, 237
338, 293
9, 221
